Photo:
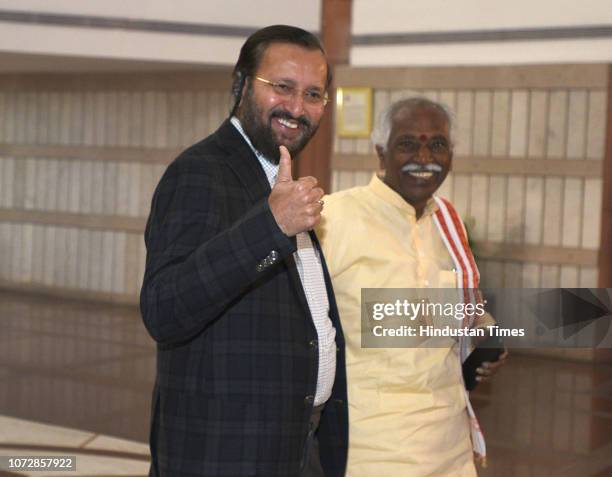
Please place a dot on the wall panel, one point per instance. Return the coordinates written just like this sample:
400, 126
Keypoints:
501, 123
538, 118
482, 123
464, 111
534, 219
557, 124
515, 210
497, 208
595, 124
536, 229
519, 122
478, 206
64, 180
577, 124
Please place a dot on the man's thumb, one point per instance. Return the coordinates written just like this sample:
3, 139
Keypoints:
284, 170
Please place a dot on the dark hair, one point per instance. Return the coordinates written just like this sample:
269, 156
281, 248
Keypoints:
255, 46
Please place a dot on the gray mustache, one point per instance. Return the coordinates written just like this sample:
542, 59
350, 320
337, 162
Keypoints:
421, 168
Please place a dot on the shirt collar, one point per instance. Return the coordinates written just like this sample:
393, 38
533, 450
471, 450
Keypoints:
388, 195
236, 122
269, 167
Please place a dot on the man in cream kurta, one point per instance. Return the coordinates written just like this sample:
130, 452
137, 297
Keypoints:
407, 407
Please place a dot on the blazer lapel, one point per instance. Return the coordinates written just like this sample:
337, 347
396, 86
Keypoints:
243, 162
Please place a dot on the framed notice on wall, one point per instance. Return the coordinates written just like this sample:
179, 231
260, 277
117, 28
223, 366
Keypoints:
353, 112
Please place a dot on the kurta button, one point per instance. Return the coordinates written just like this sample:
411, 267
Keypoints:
339, 402
309, 400
314, 344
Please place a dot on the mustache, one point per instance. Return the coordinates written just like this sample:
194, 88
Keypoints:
303, 120
412, 167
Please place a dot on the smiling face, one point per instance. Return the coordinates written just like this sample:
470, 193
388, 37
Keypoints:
418, 154
272, 117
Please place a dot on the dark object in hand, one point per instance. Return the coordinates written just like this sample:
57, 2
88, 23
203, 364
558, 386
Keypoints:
489, 350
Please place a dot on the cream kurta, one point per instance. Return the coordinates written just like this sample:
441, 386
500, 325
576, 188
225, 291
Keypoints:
407, 407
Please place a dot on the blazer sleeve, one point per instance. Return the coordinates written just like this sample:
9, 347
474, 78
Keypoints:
195, 267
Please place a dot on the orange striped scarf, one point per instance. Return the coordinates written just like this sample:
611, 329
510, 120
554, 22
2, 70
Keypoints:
454, 237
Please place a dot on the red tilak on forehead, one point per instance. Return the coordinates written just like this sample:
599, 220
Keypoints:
423, 138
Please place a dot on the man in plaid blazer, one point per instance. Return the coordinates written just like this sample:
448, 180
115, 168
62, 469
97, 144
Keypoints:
250, 352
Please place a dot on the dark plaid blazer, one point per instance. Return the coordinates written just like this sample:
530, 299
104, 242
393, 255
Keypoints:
237, 354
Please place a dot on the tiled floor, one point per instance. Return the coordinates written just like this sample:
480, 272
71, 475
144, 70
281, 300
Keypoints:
548, 418
87, 370
95, 454
76, 379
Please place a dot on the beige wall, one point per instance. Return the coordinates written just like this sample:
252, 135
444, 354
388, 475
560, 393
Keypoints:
79, 159
211, 12
390, 16
210, 46
528, 163
387, 20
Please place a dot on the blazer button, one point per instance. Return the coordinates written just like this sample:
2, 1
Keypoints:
314, 344
309, 400
339, 402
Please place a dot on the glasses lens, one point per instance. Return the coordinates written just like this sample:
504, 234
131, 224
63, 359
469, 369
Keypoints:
313, 97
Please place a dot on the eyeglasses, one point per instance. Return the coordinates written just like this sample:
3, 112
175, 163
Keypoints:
311, 96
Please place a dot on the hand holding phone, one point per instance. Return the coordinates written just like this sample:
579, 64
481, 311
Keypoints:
489, 350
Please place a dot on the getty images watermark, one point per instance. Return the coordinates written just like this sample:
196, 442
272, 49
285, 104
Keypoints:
524, 318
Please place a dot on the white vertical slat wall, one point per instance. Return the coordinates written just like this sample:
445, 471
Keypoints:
79, 160
84, 153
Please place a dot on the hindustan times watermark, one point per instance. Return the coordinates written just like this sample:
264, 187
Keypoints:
446, 332
523, 318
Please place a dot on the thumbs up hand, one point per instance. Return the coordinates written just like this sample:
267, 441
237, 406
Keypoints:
295, 205
284, 169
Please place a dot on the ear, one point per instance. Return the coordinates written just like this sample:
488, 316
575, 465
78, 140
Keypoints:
380, 152
240, 87
244, 83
